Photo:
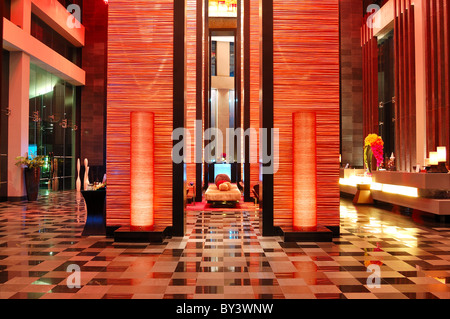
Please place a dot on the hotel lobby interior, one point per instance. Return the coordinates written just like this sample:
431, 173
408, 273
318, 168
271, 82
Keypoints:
237, 149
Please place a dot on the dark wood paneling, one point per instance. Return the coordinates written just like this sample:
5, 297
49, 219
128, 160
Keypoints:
206, 91
199, 93
404, 43
266, 114
351, 96
370, 80
405, 84
437, 72
179, 113
246, 78
3, 120
92, 114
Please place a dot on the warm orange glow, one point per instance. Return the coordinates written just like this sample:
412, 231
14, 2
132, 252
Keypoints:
434, 158
142, 176
305, 170
442, 154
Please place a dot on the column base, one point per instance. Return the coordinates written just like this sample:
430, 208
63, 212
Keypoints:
306, 234
129, 235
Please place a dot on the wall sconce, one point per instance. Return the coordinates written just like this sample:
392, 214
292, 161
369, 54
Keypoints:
7, 111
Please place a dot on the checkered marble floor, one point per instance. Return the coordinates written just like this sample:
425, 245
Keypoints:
222, 256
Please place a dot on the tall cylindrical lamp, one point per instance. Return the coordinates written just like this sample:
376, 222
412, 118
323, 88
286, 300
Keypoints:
142, 171
304, 173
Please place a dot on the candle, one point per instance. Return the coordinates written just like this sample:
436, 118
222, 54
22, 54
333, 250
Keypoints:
442, 154
434, 158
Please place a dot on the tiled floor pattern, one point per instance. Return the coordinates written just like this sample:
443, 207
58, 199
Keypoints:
222, 256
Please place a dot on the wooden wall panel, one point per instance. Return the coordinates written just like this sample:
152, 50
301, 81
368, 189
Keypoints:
405, 86
191, 85
437, 14
140, 72
306, 78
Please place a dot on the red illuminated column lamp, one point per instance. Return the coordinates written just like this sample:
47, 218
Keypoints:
304, 171
142, 171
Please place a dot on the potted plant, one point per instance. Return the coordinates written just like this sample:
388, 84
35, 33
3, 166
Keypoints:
32, 169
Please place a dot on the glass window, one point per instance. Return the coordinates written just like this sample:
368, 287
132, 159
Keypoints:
52, 127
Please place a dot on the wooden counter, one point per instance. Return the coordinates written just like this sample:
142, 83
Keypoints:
421, 181
439, 181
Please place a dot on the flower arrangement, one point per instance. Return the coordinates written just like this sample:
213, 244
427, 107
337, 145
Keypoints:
98, 186
30, 161
32, 170
373, 146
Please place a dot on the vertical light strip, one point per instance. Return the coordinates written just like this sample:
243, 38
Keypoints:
305, 170
142, 165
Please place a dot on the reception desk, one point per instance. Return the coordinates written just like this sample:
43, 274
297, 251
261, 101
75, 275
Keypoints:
428, 192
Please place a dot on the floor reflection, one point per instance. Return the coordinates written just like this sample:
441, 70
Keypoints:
223, 255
